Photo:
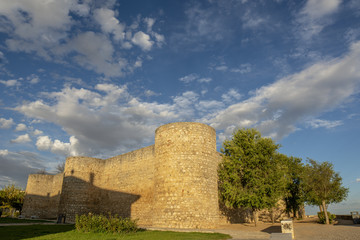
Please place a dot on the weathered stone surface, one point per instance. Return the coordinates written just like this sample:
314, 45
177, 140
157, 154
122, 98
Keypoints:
170, 184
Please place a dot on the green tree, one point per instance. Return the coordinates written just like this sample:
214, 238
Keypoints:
12, 197
323, 186
294, 196
250, 174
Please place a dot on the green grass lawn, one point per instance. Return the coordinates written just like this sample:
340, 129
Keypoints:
68, 232
17, 220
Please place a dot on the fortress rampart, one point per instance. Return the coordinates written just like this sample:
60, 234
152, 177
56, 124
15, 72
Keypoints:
172, 183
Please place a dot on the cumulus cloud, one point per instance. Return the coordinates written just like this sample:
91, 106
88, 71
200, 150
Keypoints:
37, 132
43, 28
6, 123
109, 24
20, 127
22, 139
95, 52
109, 120
276, 109
44, 143
142, 40
34, 26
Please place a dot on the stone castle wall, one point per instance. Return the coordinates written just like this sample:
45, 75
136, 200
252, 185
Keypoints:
129, 180
170, 184
185, 176
42, 195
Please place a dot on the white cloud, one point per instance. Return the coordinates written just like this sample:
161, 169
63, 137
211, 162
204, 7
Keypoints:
150, 93
142, 40
94, 52
315, 15
358, 180
10, 83
231, 96
189, 78
252, 20
48, 29
6, 123
33, 78
317, 123
149, 22
276, 109
316, 9
37, 132
109, 24
244, 68
194, 77
209, 105
20, 127
222, 68
109, 120
22, 139
44, 143
4, 152
204, 80
35, 26
122, 122
204, 23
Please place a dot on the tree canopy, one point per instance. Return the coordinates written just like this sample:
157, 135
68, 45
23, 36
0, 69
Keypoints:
294, 196
323, 185
12, 197
251, 174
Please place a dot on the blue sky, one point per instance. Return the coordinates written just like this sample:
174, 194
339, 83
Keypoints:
96, 78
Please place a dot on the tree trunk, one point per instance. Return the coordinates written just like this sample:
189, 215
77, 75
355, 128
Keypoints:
272, 215
325, 212
255, 216
321, 209
294, 212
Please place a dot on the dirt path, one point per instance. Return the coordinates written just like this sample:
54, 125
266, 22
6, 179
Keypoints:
304, 230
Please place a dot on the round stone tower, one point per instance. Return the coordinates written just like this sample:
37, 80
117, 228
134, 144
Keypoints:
186, 193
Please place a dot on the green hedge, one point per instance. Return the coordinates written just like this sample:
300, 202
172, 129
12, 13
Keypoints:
322, 219
104, 224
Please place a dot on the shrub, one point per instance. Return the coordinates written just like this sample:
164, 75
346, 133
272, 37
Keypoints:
103, 224
322, 219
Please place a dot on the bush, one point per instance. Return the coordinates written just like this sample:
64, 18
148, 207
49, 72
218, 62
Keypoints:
104, 224
322, 219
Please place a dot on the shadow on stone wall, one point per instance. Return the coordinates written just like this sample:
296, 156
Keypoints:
235, 215
80, 197
245, 215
